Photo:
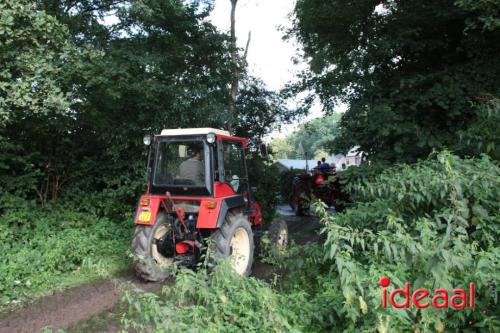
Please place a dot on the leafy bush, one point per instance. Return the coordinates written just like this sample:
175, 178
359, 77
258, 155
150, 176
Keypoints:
286, 184
203, 302
266, 178
44, 248
482, 135
434, 224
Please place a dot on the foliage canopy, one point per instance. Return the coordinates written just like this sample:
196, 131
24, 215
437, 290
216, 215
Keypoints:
413, 73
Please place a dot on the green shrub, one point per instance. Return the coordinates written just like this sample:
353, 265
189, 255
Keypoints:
44, 248
266, 178
434, 224
203, 302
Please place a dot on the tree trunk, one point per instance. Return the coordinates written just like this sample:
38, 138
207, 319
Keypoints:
234, 60
238, 63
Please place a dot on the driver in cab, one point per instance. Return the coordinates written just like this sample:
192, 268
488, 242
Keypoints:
193, 168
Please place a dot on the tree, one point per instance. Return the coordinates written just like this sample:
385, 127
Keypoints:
412, 72
281, 149
301, 154
161, 65
316, 134
238, 63
259, 110
33, 51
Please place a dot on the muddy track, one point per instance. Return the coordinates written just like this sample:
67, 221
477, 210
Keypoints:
66, 308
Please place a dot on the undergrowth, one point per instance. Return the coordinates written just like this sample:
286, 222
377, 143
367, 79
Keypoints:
47, 248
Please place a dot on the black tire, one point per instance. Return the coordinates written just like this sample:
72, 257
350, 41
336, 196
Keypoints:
237, 227
149, 264
302, 208
298, 210
278, 232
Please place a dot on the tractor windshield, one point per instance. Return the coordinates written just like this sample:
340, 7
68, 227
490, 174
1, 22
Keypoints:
180, 163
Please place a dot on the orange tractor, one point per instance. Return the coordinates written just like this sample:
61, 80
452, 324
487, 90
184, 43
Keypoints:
198, 199
308, 186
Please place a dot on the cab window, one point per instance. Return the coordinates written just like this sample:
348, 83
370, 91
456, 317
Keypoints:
180, 163
234, 166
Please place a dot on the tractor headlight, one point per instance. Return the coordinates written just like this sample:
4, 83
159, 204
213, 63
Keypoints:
147, 139
211, 138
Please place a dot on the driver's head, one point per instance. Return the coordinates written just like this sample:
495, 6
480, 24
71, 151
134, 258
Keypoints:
196, 153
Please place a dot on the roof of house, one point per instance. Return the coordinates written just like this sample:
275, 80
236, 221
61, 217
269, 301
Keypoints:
354, 151
297, 164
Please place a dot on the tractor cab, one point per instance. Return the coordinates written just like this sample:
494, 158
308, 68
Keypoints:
198, 189
198, 162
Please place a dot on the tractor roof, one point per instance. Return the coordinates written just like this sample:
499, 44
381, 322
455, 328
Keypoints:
193, 131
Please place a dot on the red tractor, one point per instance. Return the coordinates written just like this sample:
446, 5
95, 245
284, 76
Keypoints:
316, 185
198, 199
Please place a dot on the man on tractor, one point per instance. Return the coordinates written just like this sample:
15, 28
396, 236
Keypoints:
193, 168
325, 167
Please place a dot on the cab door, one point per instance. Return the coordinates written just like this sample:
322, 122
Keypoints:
234, 167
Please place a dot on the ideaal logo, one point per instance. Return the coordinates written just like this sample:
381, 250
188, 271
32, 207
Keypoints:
422, 298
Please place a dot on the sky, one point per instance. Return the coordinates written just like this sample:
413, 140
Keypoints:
269, 56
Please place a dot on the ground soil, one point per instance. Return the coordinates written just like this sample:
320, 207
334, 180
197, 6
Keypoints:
64, 308
74, 308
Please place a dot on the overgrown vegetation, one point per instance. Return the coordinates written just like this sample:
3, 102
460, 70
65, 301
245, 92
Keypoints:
434, 224
43, 249
77, 92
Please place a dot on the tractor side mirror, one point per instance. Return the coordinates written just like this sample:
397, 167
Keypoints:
264, 150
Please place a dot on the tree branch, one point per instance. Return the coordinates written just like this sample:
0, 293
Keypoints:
244, 59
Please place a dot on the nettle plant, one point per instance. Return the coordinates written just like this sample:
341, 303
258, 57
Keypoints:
435, 225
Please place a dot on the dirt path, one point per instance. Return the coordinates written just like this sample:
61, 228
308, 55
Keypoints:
69, 307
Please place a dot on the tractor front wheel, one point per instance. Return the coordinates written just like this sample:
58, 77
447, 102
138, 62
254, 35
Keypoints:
150, 264
235, 240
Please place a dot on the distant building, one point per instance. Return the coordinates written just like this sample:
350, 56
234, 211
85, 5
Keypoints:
353, 158
339, 161
286, 165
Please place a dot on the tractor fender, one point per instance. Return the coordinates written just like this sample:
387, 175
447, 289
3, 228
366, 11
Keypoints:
213, 217
228, 204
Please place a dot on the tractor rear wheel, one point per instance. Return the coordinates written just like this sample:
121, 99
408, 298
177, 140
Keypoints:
150, 264
235, 240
